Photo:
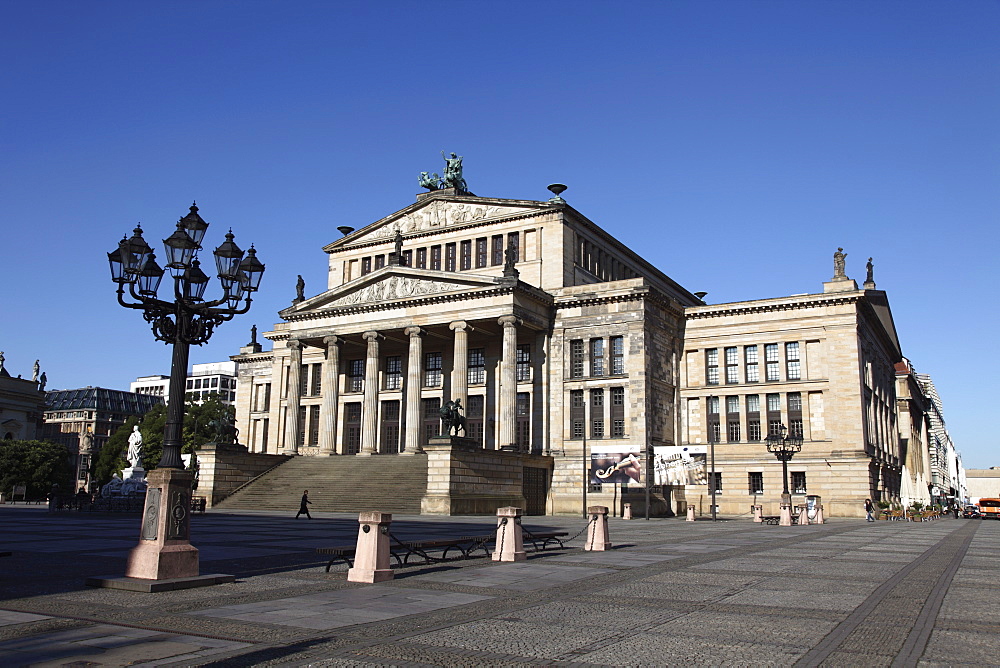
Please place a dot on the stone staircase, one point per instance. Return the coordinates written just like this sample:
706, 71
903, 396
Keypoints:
388, 483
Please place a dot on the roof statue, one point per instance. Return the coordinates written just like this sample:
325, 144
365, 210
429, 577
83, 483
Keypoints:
41, 381
34, 372
300, 290
870, 276
429, 181
839, 264
452, 177
253, 336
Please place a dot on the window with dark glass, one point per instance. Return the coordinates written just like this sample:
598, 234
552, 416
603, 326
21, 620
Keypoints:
316, 383
755, 482
477, 366
303, 380
436, 257
449, 257
379, 261
577, 413
772, 373
792, 363
798, 482
714, 426
366, 265
474, 417
522, 431
421, 258
732, 365
314, 425
465, 257
356, 376
497, 257
617, 355
482, 250
576, 358
715, 481
432, 369
390, 427
712, 366
597, 413
432, 418
597, 357
523, 370
352, 428
514, 244
752, 370
393, 372
407, 260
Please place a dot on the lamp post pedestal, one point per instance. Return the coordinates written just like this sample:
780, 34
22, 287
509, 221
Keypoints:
786, 510
165, 550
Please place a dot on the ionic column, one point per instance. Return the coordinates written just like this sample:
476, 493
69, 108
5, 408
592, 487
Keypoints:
369, 409
411, 437
460, 366
508, 383
293, 400
330, 389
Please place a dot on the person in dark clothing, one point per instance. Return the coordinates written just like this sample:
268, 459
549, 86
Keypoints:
869, 510
302, 506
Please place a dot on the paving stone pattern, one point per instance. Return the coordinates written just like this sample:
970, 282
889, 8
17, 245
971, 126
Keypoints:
729, 593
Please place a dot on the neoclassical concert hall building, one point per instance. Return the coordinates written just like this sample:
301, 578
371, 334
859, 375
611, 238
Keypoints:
563, 344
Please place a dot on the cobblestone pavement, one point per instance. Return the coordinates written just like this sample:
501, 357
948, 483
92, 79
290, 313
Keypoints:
669, 593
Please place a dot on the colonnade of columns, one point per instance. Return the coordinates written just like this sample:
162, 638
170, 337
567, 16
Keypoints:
410, 442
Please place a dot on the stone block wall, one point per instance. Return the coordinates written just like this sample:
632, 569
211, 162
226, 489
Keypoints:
222, 469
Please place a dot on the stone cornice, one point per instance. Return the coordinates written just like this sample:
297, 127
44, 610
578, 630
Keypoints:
244, 358
645, 294
770, 306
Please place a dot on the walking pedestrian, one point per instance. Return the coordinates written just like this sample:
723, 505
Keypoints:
869, 510
303, 506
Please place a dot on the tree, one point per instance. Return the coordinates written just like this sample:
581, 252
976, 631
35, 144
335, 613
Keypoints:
111, 458
36, 464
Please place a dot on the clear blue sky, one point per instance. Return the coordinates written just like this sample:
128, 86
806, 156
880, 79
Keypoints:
735, 144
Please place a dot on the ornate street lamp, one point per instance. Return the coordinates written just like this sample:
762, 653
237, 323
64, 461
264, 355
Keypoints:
784, 448
181, 320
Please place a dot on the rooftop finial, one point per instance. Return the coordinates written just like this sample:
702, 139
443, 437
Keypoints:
557, 189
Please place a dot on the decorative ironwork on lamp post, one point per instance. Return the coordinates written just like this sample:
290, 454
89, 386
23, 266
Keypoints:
784, 448
187, 319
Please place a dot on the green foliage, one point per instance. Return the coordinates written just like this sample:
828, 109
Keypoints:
111, 458
196, 431
917, 506
37, 465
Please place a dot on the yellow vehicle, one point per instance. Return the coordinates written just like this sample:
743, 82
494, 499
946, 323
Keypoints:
990, 508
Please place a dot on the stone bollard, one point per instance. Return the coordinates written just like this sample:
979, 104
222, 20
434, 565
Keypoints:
786, 515
597, 531
758, 513
371, 559
803, 516
627, 512
819, 515
510, 544
690, 517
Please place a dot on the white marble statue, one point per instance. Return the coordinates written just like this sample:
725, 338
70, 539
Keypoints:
134, 455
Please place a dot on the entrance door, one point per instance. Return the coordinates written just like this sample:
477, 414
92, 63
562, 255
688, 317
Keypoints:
535, 487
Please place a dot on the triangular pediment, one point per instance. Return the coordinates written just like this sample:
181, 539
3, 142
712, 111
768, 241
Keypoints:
391, 284
438, 213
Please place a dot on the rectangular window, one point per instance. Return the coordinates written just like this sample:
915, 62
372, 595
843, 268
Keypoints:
432, 418
514, 244
421, 258
352, 428
314, 425
577, 412
755, 482
597, 428
356, 376
465, 258
482, 248
753, 403
449, 257
523, 370
771, 362
732, 405
753, 431
497, 258
576, 358
617, 412
712, 366
390, 428
366, 265
617, 355
713, 405
477, 366
773, 427
597, 400
597, 357
715, 482
794, 402
798, 482
317, 380
773, 403
432, 369
732, 365
617, 428
407, 259
522, 430
714, 432
794, 369
379, 261
795, 427
474, 417
753, 370
436, 257
393, 372
734, 431
303, 380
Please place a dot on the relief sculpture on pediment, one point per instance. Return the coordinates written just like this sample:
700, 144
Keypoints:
437, 214
396, 287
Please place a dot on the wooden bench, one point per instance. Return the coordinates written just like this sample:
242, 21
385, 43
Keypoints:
775, 520
544, 538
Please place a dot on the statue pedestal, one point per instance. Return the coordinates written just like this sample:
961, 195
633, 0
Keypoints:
164, 560
134, 472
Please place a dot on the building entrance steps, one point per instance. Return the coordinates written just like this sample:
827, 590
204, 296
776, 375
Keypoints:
391, 484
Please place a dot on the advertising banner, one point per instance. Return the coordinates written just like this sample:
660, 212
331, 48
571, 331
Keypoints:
616, 467
680, 465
